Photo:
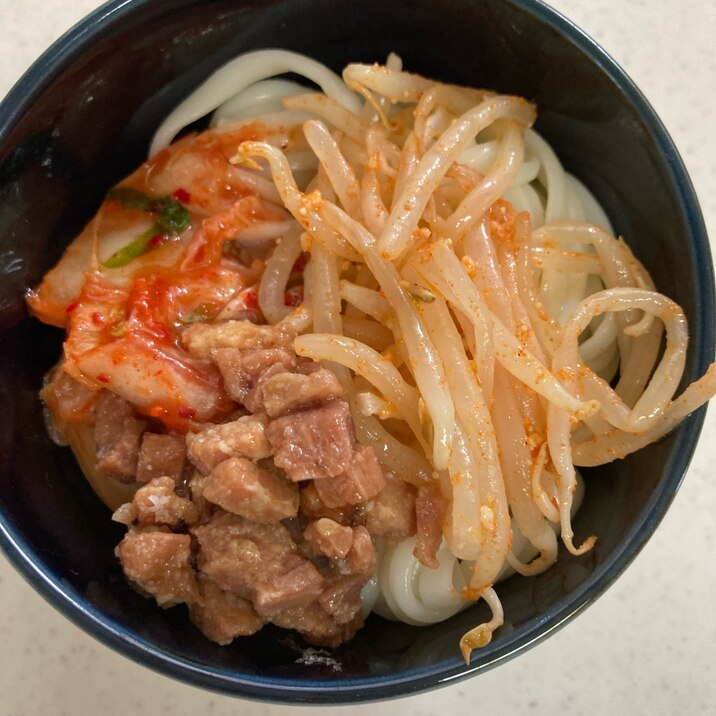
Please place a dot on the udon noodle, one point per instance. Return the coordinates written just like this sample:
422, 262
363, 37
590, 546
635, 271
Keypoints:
490, 332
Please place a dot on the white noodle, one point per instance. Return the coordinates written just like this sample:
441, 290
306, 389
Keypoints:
238, 74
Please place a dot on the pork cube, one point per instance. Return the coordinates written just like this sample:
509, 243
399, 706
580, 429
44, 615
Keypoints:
296, 584
235, 552
341, 597
242, 369
361, 558
202, 339
313, 508
161, 456
117, 432
362, 480
316, 625
159, 563
328, 538
286, 392
156, 503
255, 397
67, 399
222, 615
315, 443
310, 619
244, 437
392, 512
242, 487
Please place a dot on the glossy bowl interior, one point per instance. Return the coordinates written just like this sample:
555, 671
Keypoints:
82, 118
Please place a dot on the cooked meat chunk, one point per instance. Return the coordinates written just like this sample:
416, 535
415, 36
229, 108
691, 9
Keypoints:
242, 370
316, 625
285, 392
221, 615
341, 597
117, 433
315, 443
306, 366
361, 557
313, 508
255, 546
67, 398
242, 487
125, 514
254, 363
158, 562
296, 584
160, 456
201, 339
255, 397
257, 562
236, 553
362, 480
392, 512
156, 503
430, 506
328, 538
244, 437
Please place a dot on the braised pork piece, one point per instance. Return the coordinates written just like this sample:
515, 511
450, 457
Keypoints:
269, 516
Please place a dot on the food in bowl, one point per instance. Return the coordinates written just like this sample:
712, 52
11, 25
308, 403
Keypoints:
333, 356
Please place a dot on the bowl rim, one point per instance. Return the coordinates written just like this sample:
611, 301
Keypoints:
325, 691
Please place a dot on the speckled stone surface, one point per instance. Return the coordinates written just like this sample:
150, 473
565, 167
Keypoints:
647, 646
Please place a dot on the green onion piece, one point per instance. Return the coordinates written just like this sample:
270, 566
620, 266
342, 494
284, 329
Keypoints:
172, 218
131, 251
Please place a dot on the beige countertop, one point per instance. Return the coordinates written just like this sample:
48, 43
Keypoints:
647, 646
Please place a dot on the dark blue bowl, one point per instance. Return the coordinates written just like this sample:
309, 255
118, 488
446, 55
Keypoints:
81, 118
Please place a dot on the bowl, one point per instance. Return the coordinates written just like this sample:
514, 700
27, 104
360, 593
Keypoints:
81, 118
